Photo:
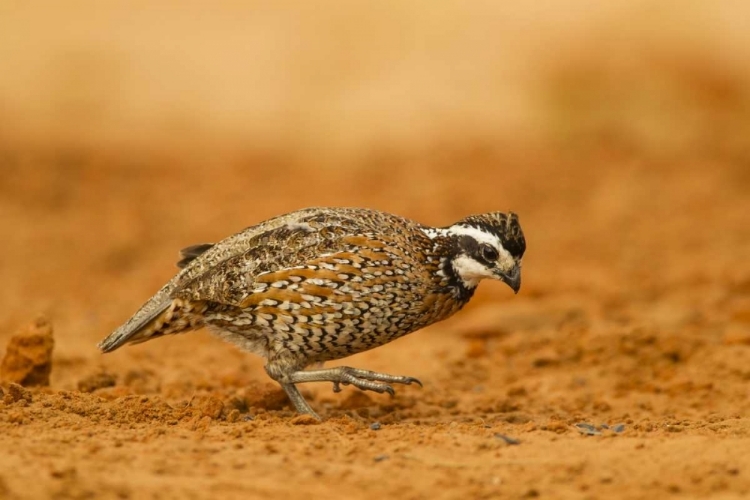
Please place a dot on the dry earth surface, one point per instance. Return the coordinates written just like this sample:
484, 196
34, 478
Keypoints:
621, 370
635, 311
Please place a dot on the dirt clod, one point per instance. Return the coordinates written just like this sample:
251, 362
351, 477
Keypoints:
305, 420
210, 407
17, 393
28, 357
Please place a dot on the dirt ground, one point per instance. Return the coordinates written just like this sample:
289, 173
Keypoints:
621, 369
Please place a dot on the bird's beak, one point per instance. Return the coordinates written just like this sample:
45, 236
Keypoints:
512, 278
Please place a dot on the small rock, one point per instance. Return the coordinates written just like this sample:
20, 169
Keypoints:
380, 458
588, 429
509, 440
618, 428
375, 426
233, 415
97, 381
28, 357
248, 418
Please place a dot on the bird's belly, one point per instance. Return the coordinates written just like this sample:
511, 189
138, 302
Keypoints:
318, 337
324, 339
247, 340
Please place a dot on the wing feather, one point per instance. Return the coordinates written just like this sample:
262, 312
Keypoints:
234, 269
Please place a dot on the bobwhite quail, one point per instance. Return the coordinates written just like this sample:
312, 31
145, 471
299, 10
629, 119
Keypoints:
323, 283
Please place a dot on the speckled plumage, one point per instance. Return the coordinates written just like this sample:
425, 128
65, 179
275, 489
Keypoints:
323, 283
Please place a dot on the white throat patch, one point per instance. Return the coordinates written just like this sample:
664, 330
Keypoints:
470, 271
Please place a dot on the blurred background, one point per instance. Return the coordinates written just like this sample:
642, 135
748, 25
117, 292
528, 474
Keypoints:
619, 131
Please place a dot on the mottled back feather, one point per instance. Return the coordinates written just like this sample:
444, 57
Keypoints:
288, 242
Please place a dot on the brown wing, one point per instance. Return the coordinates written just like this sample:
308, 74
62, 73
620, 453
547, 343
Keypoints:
300, 256
339, 280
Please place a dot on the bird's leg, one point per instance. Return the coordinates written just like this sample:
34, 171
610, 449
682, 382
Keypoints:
279, 371
362, 379
298, 401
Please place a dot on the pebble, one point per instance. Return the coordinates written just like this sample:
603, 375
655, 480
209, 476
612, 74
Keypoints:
591, 430
507, 439
375, 426
587, 429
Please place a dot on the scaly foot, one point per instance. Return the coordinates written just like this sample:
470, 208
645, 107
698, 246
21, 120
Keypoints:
362, 379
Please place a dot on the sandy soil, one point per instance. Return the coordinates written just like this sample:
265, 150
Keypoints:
621, 369
635, 311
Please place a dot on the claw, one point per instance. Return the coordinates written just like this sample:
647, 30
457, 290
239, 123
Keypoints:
412, 380
336, 387
389, 390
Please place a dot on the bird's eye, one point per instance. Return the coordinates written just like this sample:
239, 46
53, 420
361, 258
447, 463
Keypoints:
489, 253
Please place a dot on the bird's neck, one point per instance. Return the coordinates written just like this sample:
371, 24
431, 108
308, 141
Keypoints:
444, 250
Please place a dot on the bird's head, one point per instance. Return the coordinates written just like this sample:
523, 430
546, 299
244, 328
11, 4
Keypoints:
488, 245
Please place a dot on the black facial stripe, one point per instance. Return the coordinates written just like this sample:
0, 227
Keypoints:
484, 253
511, 237
468, 245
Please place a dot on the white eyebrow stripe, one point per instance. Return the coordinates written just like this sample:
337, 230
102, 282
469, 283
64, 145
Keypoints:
477, 234
483, 237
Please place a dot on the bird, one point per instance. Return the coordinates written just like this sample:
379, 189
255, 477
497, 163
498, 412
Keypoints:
321, 283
